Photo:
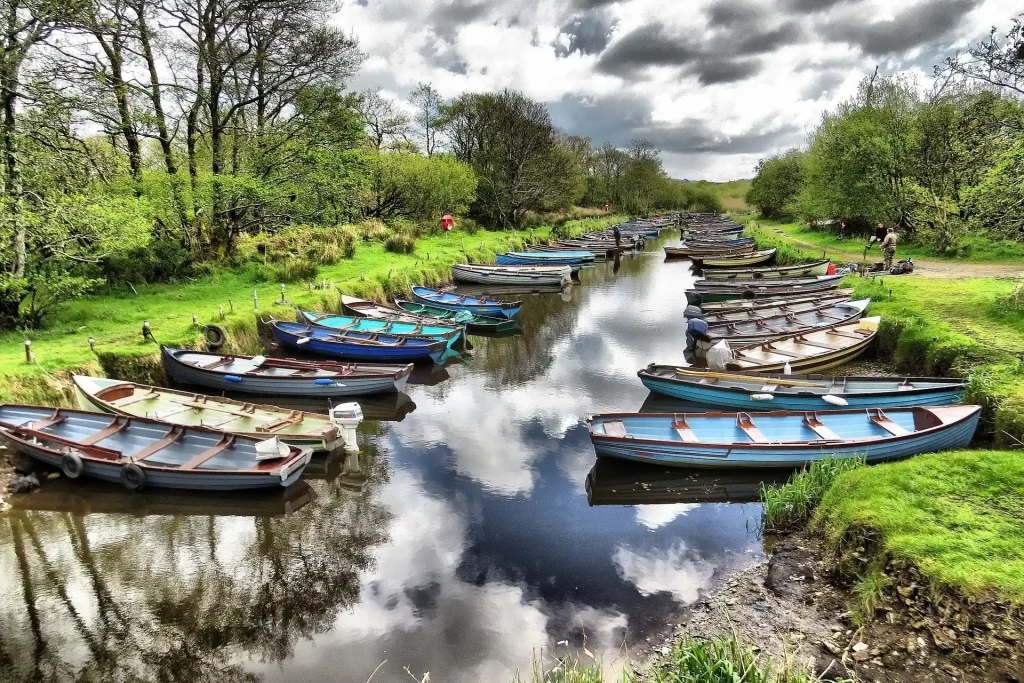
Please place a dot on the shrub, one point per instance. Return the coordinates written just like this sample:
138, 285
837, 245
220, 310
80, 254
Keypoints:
157, 261
372, 230
296, 270
315, 245
400, 243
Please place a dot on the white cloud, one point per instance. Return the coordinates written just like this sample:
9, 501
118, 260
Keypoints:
674, 570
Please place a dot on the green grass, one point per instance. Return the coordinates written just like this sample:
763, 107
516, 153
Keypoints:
724, 661
788, 506
957, 516
974, 248
114, 318
733, 193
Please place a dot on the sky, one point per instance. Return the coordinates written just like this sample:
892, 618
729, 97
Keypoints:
715, 84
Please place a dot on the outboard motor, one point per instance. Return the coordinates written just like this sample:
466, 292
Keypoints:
347, 417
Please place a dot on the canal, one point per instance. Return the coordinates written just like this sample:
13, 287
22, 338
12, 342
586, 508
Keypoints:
472, 530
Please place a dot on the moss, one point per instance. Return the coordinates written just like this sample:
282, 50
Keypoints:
133, 367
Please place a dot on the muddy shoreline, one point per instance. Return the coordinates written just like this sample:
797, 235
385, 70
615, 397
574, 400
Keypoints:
789, 607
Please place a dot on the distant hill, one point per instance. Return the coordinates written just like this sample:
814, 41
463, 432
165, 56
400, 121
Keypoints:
732, 193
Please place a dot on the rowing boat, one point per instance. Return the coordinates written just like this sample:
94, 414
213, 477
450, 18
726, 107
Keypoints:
758, 391
282, 376
512, 275
781, 439
735, 260
187, 409
688, 251
772, 273
460, 302
810, 352
476, 324
766, 308
705, 290
139, 452
355, 345
431, 331
765, 328
545, 258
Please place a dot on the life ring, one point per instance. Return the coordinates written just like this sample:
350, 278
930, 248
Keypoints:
132, 476
215, 337
71, 465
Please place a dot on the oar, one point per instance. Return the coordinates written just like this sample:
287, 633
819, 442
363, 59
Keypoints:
771, 380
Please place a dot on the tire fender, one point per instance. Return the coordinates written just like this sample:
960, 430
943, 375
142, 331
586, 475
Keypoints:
71, 465
215, 337
133, 477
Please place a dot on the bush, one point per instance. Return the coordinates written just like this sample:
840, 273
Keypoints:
296, 270
400, 243
313, 245
157, 261
372, 230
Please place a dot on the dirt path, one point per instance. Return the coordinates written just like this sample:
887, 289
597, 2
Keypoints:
927, 267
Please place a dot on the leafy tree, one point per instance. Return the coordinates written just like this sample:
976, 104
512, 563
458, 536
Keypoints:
408, 185
777, 184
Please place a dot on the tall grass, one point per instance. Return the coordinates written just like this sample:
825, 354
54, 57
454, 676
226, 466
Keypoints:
568, 669
725, 661
788, 506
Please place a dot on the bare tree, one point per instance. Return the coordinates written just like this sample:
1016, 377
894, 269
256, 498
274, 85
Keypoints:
427, 103
641, 149
385, 123
995, 62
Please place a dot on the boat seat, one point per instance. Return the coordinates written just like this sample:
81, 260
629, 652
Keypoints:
290, 419
769, 388
882, 420
838, 333
744, 422
176, 434
116, 392
812, 421
227, 441
121, 403
54, 419
820, 345
615, 428
118, 425
683, 430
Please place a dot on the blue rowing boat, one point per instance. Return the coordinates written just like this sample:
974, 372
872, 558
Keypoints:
758, 391
398, 328
781, 439
459, 302
356, 345
541, 258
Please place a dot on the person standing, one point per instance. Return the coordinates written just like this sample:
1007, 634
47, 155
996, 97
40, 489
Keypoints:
880, 233
889, 247
618, 236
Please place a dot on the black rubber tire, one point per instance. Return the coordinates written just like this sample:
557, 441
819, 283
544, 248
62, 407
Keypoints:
215, 337
71, 465
748, 294
132, 477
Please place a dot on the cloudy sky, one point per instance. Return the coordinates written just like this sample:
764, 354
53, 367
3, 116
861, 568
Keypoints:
715, 83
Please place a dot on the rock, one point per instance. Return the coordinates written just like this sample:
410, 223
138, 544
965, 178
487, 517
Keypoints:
860, 647
23, 484
832, 646
861, 656
665, 650
944, 638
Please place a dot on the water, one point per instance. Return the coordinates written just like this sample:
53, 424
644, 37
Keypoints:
457, 542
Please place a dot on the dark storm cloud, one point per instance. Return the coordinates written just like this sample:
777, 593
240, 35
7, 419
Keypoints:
811, 6
588, 33
719, 57
617, 119
710, 72
727, 13
916, 26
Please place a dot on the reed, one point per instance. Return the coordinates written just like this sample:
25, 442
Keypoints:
790, 505
725, 661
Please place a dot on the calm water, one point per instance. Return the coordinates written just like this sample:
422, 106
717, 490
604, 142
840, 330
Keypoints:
457, 542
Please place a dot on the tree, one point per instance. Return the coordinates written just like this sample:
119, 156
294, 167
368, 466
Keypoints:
777, 183
407, 185
998, 63
427, 104
385, 123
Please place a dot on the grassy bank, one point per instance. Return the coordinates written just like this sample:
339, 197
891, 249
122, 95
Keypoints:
977, 249
114, 319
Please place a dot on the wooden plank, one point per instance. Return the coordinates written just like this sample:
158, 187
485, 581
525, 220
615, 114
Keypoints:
175, 434
226, 442
744, 422
40, 425
118, 425
615, 428
683, 430
883, 421
812, 421
135, 399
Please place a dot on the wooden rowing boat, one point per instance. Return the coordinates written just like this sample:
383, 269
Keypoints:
460, 302
781, 439
282, 376
765, 328
476, 324
737, 306
361, 346
770, 310
512, 275
809, 352
705, 290
758, 391
187, 409
687, 251
736, 260
139, 452
545, 258
773, 273
430, 330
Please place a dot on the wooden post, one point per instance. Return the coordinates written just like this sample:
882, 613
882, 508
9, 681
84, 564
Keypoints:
29, 357
282, 294
220, 311
231, 307
255, 301
92, 344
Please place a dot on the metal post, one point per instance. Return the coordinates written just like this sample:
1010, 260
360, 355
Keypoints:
28, 351
282, 294
220, 311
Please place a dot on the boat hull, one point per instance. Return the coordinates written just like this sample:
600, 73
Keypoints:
478, 325
474, 305
740, 261
354, 350
267, 386
781, 272
957, 434
512, 276
508, 260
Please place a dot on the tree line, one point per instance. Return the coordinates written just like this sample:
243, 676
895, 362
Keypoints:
937, 165
142, 137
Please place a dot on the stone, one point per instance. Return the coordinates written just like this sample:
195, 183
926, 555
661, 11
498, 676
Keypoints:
23, 484
860, 647
832, 646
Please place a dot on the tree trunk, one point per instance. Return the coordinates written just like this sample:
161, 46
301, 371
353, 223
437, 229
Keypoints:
12, 175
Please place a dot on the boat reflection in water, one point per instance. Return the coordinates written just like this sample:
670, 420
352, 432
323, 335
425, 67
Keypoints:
614, 482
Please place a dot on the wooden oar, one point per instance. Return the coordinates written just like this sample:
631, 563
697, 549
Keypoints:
724, 375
